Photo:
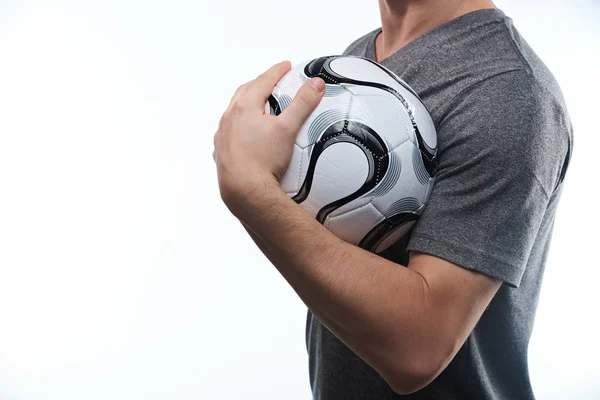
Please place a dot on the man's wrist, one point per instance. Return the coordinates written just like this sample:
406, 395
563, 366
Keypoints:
244, 197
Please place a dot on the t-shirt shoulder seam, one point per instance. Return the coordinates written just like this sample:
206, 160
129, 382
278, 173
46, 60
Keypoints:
530, 69
516, 48
535, 85
540, 85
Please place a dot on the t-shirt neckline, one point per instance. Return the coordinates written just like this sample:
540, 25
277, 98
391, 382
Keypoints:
477, 15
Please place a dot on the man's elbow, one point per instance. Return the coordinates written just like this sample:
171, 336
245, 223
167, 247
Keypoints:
414, 374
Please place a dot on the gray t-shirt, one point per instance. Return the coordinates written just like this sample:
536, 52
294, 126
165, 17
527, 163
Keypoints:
505, 141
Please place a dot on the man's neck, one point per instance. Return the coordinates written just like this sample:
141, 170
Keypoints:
405, 20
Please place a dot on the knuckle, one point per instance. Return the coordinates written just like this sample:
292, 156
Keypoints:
305, 98
237, 107
241, 89
246, 85
309, 95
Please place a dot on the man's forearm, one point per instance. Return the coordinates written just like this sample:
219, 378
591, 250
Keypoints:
376, 307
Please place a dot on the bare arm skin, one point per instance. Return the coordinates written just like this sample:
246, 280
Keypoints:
407, 323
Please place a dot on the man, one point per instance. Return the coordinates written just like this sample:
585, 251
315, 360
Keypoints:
456, 322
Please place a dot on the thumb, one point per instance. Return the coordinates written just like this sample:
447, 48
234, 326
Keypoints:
306, 100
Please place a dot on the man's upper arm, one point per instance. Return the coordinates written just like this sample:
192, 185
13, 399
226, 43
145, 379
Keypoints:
501, 150
457, 297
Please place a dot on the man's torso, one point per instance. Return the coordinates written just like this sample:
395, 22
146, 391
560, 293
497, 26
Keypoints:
443, 66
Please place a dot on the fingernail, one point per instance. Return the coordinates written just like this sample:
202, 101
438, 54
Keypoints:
318, 84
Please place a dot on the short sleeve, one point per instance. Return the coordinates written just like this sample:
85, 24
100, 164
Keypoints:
502, 144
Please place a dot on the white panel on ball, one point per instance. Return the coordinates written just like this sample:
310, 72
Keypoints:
340, 171
361, 70
354, 225
293, 76
352, 205
382, 112
292, 179
330, 110
364, 70
407, 185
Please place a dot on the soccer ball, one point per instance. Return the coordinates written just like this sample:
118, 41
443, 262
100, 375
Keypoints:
364, 162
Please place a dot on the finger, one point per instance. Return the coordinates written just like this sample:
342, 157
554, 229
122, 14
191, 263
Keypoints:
262, 87
239, 93
305, 102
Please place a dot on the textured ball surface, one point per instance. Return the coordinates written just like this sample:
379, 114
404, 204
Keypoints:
364, 162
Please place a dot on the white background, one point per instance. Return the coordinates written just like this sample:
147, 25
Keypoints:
122, 276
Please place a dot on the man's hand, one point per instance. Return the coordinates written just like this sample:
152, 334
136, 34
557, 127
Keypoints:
253, 148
